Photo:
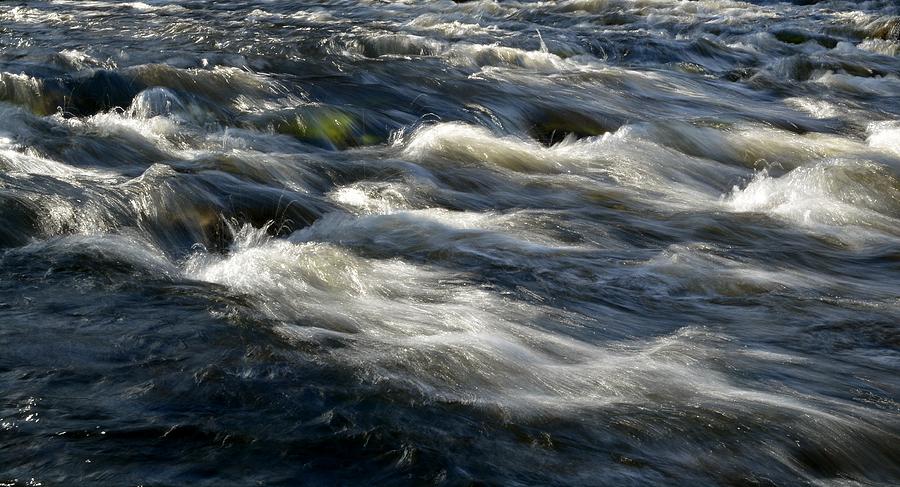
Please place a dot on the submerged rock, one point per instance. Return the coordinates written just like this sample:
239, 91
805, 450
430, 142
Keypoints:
796, 36
552, 126
100, 91
18, 221
323, 126
79, 95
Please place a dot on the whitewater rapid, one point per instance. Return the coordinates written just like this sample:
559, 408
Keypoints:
615, 242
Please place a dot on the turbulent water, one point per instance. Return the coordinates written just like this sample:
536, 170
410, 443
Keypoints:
585, 242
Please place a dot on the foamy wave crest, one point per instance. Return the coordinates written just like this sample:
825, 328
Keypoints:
829, 194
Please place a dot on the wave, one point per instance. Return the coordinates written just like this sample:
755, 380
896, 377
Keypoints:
827, 195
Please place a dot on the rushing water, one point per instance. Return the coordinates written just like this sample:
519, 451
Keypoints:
585, 242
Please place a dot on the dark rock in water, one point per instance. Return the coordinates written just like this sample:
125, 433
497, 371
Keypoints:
185, 207
100, 91
552, 126
791, 36
281, 210
796, 36
201, 208
18, 221
79, 95
192, 222
616, 18
739, 74
798, 67
828, 42
859, 70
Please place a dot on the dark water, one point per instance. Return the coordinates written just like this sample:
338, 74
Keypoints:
649, 242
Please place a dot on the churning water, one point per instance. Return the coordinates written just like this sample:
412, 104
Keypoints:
584, 242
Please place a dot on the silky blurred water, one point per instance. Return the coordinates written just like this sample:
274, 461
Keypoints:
585, 242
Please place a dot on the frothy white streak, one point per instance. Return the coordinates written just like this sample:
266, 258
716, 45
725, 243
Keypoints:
827, 196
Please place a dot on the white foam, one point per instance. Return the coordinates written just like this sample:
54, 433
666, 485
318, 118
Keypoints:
18, 162
885, 136
826, 195
418, 327
28, 15
816, 108
620, 159
372, 198
452, 28
162, 102
318, 15
79, 60
480, 56
880, 46
462, 142
154, 131
21, 160
888, 85
752, 145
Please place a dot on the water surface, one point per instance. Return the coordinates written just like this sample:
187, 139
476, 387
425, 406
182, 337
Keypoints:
585, 242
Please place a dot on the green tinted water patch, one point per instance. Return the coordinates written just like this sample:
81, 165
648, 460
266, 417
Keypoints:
326, 127
29, 93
